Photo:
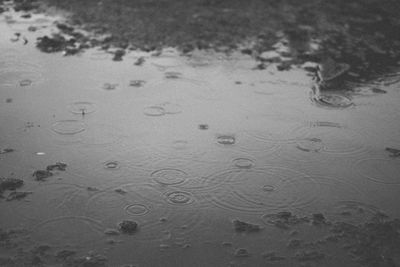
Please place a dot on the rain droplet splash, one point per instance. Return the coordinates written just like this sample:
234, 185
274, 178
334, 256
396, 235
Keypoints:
82, 107
68, 127
111, 165
154, 111
179, 198
243, 163
169, 176
137, 209
226, 139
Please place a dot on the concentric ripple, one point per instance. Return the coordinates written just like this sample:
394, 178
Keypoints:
243, 163
169, 176
111, 165
379, 170
154, 111
329, 137
68, 127
179, 198
332, 100
257, 190
82, 107
226, 139
137, 209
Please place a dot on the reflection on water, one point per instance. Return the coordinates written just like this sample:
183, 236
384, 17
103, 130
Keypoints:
183, 146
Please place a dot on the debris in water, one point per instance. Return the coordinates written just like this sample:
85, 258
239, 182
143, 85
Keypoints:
309, 256
241, 253
42, 175
119, 54
25, 82
318, 219
378, 91
110, 86
14, 195
9, 100
128, 227
137, 83
241, 226
6, 150
139, 61
10, 184
58, 166
56, 43
120, 191
393, 151
203, 126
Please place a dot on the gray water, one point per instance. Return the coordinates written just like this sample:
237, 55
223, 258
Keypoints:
183, 146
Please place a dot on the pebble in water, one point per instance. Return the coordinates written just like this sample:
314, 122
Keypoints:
110, 86
68, 127
127, 227
179, 198
226, 139
137, 83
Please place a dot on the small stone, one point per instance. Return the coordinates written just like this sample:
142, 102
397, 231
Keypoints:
9, 100
32, 28
270, 56
42, 175
378, 91
241, 226
118, 55
25, 82
120, 191
137, 83
110, 86
393, 151
139, 61
318, 219
241, 253
127, 227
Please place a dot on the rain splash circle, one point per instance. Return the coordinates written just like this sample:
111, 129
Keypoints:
68, 127
169, 176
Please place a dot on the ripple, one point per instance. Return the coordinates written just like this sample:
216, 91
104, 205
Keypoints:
137, 209
329, 137
379, 170
258, 190
169, 176
149, 206
73, 230
243, 163
171, 108
68, 127
179, 198
82, 107
154, 111
226, 139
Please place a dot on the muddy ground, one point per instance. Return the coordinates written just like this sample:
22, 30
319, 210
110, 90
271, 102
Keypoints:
361, 33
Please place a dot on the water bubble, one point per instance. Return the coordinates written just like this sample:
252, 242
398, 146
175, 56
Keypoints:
68, 127
243, 163
169, 176
179, 197
154, 111
82, 107
226, 139
137, 209
111, 165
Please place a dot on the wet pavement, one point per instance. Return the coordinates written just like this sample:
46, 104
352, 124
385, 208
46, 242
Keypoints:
195, 160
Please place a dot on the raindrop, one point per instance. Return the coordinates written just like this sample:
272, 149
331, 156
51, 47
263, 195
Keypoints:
154, 111
68, 127
268, 188
137, 209
82, 107
243, 163
179, 198
111, 165
169, 176
226, 139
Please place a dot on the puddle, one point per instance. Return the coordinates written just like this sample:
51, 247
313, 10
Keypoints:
183, 145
